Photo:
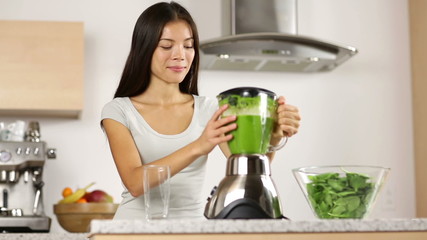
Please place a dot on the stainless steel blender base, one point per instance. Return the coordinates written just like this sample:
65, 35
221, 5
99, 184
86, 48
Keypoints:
246, 192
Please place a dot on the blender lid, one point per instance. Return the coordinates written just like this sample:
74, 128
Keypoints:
248, 92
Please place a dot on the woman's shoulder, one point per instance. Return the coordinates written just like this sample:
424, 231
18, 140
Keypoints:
206, 107
117, 106
206, 102
118, 102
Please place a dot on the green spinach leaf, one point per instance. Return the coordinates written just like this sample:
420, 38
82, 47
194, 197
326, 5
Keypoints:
332, 196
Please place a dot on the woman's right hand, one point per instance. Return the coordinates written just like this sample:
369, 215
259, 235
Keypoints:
216, 131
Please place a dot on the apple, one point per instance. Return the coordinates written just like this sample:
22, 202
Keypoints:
98, 196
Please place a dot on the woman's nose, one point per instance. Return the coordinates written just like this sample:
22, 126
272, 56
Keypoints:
178, 53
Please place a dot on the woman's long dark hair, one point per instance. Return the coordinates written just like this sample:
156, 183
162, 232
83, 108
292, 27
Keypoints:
146, 35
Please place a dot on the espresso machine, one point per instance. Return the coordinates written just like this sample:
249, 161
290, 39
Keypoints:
21, 184
248, 191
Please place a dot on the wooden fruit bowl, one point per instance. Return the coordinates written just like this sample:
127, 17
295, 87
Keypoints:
76, 217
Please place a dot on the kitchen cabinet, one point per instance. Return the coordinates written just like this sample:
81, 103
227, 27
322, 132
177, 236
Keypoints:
41, 68
418, 34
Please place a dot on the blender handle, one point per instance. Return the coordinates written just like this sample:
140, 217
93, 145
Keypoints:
281, 144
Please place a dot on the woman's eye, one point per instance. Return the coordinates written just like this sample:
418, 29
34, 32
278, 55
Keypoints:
166, 47
189, 46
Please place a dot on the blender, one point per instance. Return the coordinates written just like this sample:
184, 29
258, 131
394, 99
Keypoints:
248, 191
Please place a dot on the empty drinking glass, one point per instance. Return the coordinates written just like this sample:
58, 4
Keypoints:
156, 191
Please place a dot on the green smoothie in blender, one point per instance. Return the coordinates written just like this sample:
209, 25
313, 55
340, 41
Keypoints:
255, 109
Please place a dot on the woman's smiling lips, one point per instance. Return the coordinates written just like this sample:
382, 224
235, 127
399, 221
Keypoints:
177, 68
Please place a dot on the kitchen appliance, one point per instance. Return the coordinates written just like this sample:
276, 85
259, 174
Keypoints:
248, 191
262, 36
21, 185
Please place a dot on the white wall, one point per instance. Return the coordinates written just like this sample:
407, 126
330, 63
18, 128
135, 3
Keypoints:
358, 114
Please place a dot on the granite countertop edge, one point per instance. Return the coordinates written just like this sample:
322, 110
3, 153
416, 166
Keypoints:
254, 226
45, 236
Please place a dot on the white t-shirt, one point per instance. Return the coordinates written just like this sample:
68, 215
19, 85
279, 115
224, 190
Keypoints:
186, 200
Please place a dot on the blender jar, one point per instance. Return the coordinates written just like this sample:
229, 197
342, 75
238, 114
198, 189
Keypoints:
255, 109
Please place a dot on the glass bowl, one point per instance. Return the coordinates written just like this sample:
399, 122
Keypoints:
347, 191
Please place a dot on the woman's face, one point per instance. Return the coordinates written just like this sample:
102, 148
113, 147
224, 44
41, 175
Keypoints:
174, 54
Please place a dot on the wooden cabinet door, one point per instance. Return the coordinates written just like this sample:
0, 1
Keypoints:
418, 31
41, 68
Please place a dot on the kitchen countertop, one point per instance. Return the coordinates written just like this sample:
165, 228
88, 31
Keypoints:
255, 226
378, 229
241, 229
44, 236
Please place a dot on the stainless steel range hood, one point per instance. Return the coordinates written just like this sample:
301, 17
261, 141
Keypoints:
261, 35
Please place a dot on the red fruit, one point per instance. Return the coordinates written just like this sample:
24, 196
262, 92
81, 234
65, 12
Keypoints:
98, 196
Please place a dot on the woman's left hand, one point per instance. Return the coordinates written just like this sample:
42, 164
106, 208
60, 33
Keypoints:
288, 120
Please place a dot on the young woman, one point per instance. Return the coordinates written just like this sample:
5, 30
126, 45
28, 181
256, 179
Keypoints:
157, 117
